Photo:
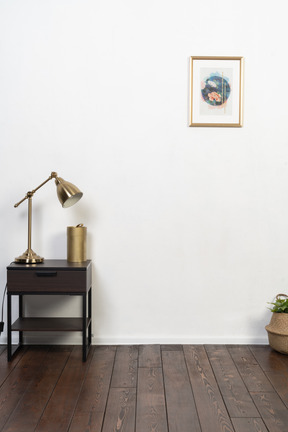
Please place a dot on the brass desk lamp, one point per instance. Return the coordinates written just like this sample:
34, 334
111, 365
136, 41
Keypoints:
68, 195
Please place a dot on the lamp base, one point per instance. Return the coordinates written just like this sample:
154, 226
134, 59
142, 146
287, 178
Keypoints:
29, 257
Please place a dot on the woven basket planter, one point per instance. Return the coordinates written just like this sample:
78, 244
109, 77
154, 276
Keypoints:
278, 332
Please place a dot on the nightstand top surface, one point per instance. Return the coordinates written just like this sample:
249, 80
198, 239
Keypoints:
49, 264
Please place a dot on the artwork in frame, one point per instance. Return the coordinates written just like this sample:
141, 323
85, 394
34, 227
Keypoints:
216, 86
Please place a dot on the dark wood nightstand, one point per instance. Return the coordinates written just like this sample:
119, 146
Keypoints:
52, 277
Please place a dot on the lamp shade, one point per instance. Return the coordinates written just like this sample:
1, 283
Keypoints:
68, 194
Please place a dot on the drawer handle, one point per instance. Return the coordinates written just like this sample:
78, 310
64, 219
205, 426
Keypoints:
46, 274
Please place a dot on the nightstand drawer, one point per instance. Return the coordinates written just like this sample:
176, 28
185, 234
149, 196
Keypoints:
46, 281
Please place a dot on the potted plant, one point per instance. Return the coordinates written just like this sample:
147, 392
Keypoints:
278, 328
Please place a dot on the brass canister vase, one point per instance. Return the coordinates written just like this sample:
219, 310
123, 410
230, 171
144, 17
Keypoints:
76, 243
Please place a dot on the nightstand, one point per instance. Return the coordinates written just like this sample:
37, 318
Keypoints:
52, 277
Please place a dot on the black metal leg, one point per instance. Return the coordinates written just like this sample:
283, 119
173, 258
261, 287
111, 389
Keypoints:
9, 340
90, 316
84, 315
20, 316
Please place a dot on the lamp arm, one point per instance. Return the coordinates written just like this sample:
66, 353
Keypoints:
31, 193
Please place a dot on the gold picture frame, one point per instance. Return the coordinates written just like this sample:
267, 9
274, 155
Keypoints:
216, 91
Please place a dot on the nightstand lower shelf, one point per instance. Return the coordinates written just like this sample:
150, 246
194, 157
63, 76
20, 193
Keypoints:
49, 324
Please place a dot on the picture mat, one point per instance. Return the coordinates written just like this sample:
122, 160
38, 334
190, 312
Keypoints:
202, 115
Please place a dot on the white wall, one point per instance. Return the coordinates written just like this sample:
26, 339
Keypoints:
188, 227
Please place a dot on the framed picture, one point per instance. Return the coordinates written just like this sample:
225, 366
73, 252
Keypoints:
216, 86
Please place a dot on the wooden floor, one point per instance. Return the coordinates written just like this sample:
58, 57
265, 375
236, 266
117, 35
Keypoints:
146, 388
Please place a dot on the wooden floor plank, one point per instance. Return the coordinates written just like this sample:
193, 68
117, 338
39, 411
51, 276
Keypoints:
249, 425
212, 413
151, 408
90, 409
171, 347
125, 367
273, 411
250, 371
120, 412
7, 367
32, 404
149, 356
268, 359
181, 409
275, 366
60, 408
14, 387
236, 397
